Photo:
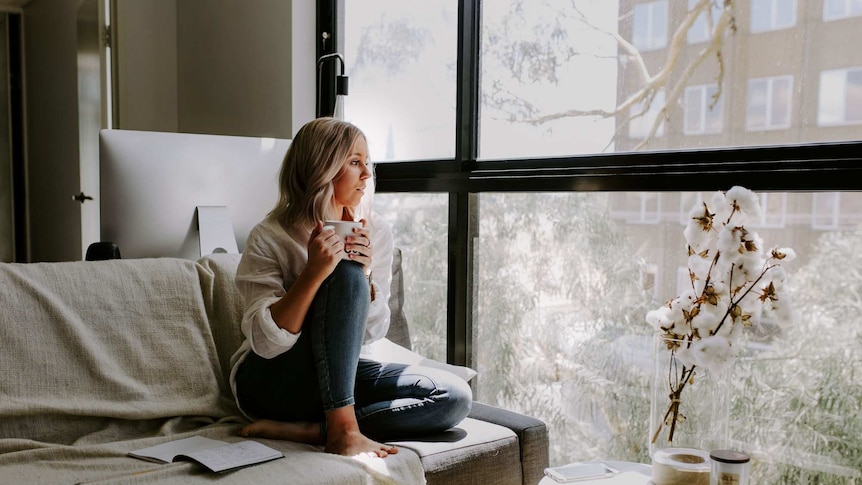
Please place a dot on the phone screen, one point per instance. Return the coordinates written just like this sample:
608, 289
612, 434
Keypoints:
579, 471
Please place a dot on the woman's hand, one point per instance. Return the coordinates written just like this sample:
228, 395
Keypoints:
325, 250
359, 246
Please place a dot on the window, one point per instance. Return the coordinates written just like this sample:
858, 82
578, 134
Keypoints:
840, 97
703, 111
551, 198
773, 210
769, 15
649, 31
701, 29
769, 103
419, 225
642, 121
583, 324
839, 9
826, 211
639, 208
399, 57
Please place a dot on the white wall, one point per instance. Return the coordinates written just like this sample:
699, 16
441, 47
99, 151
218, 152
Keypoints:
261, 84
189, 67
145, 37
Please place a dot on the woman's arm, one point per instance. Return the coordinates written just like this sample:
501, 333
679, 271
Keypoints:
274, 314
324, 253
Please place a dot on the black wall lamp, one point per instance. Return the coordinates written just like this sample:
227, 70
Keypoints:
324, 105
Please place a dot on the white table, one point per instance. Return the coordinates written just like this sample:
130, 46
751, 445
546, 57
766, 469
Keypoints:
630, 474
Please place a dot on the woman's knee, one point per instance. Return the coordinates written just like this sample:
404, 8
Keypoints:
348, 278
461, 398
453, 396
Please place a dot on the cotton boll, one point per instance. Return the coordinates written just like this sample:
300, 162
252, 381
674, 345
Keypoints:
782, 254
684, 302
706, 320
699, 227
685, 356
746, 201
661, 318
699, 266
721, 207
729, 242
714, 353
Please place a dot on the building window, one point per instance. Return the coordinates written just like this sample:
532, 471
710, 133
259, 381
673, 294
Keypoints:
650, 26
769, 100
826, 211
642, 207
840, 9
769, 15
840, 97
702, 27
642, 121
773, 210
702, 112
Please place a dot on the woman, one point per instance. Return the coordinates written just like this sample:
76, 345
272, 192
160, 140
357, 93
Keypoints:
300, 373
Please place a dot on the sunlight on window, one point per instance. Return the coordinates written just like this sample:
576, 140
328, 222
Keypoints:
400, 58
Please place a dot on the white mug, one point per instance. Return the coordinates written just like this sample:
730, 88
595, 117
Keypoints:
342, 230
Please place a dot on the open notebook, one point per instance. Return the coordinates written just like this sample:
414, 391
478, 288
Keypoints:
218, 456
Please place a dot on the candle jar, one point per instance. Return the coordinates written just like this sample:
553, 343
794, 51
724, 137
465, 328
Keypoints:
728, 467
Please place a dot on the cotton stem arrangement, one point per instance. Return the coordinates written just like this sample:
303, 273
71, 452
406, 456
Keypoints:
735, 284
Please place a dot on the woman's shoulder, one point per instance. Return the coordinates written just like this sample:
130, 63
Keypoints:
267, 232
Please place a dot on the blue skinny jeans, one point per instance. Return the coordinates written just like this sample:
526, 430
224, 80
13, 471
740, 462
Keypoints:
323, 371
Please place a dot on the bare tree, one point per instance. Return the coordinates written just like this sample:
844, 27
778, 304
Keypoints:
547, 51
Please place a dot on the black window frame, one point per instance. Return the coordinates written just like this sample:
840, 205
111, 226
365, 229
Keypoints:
828, 166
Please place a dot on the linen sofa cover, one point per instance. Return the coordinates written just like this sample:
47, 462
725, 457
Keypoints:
100, 358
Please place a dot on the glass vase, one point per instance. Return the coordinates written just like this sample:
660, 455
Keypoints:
690, 408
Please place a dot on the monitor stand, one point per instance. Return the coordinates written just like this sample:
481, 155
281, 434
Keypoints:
215, 231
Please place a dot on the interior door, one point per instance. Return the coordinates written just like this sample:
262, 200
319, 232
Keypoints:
92, 116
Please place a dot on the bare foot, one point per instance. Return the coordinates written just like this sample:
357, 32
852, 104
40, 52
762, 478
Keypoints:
354, 443
344, 438
299, 431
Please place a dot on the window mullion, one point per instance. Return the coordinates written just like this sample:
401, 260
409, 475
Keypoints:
463, 206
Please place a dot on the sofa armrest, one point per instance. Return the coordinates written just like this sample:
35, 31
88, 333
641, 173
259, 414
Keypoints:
532, 437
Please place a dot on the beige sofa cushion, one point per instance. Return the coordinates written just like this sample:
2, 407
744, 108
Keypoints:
96, 351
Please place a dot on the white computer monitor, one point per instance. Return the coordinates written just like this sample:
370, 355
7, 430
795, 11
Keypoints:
152, 185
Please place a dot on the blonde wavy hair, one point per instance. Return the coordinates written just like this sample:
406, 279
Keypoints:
314, 159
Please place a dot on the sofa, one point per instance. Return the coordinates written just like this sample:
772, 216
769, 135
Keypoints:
100, 358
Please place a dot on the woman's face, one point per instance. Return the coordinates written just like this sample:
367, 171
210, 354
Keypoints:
349, 184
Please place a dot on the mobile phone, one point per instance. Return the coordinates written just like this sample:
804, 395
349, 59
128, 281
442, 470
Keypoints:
579, 471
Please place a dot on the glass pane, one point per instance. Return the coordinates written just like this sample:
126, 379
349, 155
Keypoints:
564, 281
420, 225
854, 95
830, 106
400, 59
785, 13
833, 9
761, 15
757, 104
555, 81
